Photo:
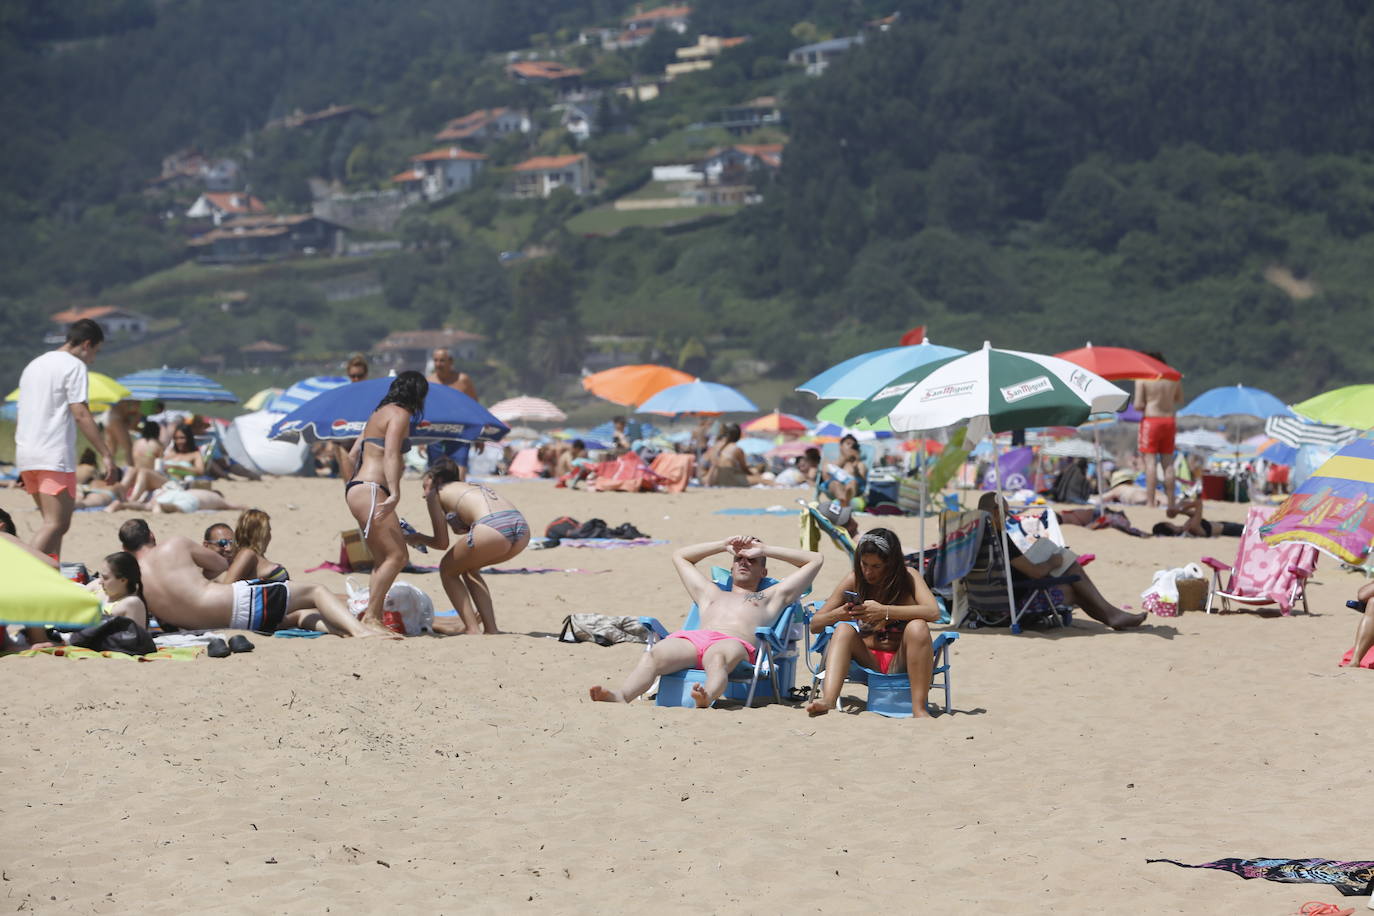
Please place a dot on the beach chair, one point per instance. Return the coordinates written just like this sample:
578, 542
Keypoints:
888, 694
775, 662
814, 524
627, 474
1263, 574
985, 586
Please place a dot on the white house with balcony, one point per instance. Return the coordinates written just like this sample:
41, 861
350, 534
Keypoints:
542, 175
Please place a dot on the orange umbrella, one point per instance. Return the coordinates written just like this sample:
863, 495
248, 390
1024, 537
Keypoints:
1120, 364
776, 422
633, 385
932, 447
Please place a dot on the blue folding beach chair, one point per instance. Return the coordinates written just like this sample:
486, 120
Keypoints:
888, 694
775, 660
814, 524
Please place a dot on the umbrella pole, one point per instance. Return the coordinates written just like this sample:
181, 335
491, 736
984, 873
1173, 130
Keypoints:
922, 511
1006, 555
1101, 481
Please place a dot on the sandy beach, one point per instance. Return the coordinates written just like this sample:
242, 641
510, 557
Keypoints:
472, 774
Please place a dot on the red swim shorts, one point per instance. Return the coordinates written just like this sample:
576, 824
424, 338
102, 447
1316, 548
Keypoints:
49, 483
704, 639
1157, 436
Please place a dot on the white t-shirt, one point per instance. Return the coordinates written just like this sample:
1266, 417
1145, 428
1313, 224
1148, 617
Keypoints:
45, 437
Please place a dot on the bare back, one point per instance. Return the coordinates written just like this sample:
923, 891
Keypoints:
1158, 398
371, 465
176, 590
465, 503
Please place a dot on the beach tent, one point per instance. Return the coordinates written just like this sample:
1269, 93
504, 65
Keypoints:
35, 594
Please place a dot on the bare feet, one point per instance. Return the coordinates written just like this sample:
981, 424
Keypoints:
370, 632
699, 696
1123, 621
602, 695
816, 708
449, 626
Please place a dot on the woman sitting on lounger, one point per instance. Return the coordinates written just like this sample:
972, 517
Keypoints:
181, 459
1364, 633
882, 615
490, 530
251, 536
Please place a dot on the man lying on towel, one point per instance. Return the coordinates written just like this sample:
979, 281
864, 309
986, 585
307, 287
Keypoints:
728, 619
178, 592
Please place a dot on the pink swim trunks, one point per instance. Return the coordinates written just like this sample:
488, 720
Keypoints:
705, 639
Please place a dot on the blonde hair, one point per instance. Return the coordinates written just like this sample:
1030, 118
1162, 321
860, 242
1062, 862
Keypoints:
254, 530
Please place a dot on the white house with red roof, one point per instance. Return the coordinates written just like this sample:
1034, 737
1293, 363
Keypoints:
441, 172
660, 17
485, 124
542, 175
112, 319
733, 164
221, 205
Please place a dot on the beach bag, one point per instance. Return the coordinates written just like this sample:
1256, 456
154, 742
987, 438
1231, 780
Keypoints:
414, 606
603, 629
1162, 597
115, 634
565, 526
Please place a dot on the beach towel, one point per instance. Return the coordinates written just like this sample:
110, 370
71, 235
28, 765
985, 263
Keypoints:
749, 510
1353, 879
296, 633
627, 474
960, 535
610, 543
675, 470
180, 654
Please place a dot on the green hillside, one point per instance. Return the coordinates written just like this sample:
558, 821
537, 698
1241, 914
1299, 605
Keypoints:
1194, 177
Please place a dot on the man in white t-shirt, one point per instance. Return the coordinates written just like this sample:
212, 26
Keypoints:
52, 403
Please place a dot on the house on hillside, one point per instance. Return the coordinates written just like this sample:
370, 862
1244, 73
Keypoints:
300, 118
218, 206
187, 169
484, 124
441, 172
264, 354
660, 17
113, 320
700, 55
412, 349
576, 119
560, 77
542, 175
266, 238
735, 164
749, 116
816, 58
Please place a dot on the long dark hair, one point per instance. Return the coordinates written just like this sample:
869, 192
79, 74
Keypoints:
895, 583
185, 430
408, 391
125, 566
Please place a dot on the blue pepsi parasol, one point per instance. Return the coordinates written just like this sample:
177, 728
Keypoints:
341, 413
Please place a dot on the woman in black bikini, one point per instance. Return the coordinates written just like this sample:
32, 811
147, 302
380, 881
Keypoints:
490, 530
886, 629
252, 535
375, 488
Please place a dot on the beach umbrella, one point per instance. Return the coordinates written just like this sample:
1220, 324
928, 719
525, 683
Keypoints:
1233, 401
794, 449
1279, 453
820, 382
1070, 448
633, 385
175, 385
1120, 364
307, 389
755, 447
929, 446
100, 389
1334, 508
261, 399
836, 411
770, 424
36, 595
523, 432
1297, 432
634, 429
341, 413
531, 410
1350, 406
870, 371
1205, 440
697, 397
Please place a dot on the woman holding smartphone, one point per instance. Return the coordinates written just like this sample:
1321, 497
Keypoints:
882, 615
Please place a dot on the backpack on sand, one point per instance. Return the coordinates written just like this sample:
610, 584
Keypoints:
602, 629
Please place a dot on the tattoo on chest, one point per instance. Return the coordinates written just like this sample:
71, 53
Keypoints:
755, 598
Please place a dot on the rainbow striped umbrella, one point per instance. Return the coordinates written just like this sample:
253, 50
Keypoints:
1333, 510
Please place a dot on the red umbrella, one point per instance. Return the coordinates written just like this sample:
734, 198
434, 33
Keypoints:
1119, 363
932, 447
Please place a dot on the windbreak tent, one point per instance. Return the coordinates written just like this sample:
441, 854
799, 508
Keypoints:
35, 594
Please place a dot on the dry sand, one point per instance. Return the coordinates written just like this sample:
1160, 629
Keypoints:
473, 774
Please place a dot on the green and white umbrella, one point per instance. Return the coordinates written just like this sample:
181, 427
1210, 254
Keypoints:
993, 391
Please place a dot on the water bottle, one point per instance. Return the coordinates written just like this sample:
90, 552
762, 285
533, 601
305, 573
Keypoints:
408, 528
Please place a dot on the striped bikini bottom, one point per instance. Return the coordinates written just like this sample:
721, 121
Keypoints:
509, 523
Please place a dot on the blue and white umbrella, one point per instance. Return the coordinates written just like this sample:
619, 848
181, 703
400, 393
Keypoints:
304, 390
634, 429
698, 397
870, 371
341, 413
175, 385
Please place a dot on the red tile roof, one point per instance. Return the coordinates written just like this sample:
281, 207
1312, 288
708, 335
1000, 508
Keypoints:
235, 202
547, 163
67, 316
469, 124
263, 346
661, 12
543, 70
408, 176
445, 154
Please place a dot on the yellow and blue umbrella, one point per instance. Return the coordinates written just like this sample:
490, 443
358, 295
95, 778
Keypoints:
1333, 510
37, 595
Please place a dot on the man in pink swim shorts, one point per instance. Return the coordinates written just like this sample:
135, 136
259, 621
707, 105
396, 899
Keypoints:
728, 618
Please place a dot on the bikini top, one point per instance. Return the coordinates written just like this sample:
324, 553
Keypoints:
487, 493
380, 442
277, 575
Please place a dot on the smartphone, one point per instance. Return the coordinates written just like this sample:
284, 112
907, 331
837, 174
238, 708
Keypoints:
851, 597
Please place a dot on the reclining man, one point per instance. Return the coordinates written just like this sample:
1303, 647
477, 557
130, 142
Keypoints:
728, 618
178, 592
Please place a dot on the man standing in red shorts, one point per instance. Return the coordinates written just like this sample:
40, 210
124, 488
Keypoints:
53, 391
1158, 400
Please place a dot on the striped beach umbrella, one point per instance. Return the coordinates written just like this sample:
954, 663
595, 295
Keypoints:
1297, 432
175, 385
864, 374
305, 390
528, 410
1333, 510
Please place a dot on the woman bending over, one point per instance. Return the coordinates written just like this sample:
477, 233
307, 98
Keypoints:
882, 615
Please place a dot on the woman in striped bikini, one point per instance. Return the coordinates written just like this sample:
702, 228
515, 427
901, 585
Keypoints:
490, 530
